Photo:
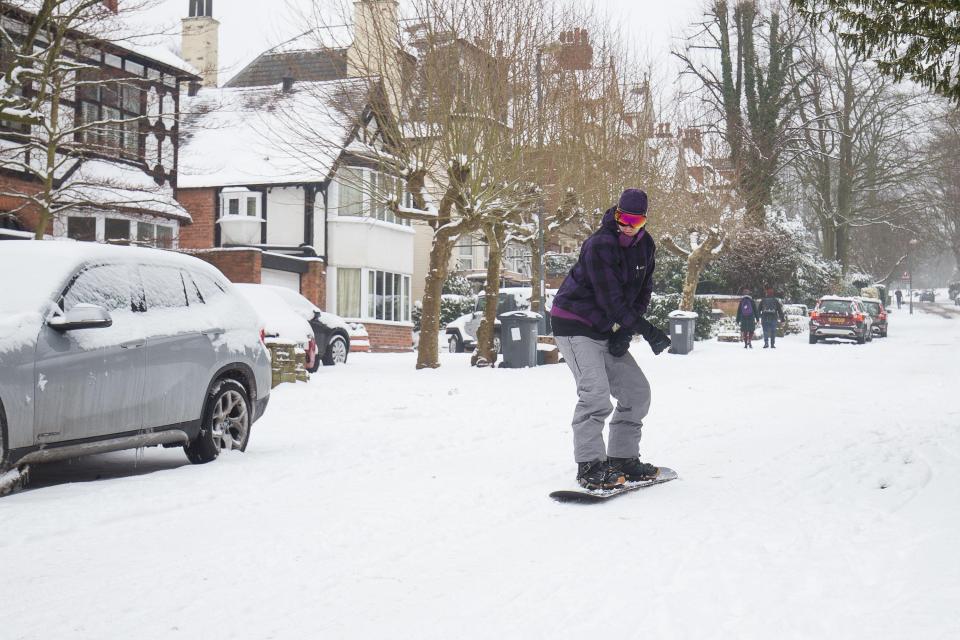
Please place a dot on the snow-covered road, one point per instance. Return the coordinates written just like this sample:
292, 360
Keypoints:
818, 498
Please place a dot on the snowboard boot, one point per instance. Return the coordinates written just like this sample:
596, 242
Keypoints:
633, 469
598, 475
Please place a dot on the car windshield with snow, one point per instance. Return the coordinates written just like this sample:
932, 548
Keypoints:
106, 348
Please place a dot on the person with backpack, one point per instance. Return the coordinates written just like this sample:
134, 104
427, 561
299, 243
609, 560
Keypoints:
747, 318
899, 295
771, 313
596, 312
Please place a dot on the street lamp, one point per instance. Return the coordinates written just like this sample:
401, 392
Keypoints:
913, 243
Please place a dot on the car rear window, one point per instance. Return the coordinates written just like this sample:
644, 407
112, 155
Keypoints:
835, 306
873, 308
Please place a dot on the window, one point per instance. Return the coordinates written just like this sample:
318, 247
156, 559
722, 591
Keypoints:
163, 287
465, 255
251, 206
164, 237
113, 61
388, 296
115, 229
106, 286
133, 67
82, 229
244, 203
351, 194
209, 287
234, 206
193, 293
146, 233
348, 292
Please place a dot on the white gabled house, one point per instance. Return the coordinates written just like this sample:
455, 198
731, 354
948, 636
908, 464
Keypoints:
283, 172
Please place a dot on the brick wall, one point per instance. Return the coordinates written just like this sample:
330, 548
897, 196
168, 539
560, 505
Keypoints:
313, 283
202, 205
29, 217
389, 337
239, 265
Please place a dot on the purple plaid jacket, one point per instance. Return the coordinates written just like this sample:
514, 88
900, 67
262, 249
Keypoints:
609, 284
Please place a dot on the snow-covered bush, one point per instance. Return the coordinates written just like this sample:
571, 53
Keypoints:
661, 306
559, 264
672, 271
457, 285
452, 306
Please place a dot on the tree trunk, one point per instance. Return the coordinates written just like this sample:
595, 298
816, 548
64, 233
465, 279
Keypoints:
485, 354
427, 352
536, 262
696, 261
829, 248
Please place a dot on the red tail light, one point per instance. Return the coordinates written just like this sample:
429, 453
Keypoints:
814, 315
858, 317
263, 336
883, 315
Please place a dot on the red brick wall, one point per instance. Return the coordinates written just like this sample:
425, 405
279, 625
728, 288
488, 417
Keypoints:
239, 265
389, 337
202, 206
29, 217
313, 283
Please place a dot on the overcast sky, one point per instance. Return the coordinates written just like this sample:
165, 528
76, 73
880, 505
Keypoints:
248, 27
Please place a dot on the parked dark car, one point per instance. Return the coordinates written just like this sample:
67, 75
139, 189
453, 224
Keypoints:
843, 318
928, 295
879, 315
331, 332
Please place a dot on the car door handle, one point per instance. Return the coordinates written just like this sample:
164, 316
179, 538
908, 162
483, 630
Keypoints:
133, 344
212, 332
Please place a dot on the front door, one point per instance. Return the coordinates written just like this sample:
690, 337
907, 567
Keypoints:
89, 382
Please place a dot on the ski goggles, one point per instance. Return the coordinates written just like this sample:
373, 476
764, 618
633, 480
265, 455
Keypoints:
635, 220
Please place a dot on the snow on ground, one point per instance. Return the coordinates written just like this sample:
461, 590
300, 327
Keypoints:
817, 499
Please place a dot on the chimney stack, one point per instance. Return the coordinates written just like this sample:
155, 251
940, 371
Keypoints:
200, 40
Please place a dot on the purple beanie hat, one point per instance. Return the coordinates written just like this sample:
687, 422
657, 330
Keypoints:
633, 201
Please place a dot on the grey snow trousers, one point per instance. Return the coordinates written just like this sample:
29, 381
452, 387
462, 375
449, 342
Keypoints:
598, 376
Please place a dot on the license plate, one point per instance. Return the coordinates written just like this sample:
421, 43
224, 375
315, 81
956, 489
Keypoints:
838, 320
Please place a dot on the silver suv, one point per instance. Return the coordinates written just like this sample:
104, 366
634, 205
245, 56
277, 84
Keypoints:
105, 348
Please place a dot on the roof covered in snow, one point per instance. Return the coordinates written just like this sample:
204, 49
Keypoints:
265, 135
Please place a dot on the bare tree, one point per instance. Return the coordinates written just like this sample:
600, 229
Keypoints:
53, 64
942, 185
743, 61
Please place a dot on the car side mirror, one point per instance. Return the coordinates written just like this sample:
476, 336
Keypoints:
82, 316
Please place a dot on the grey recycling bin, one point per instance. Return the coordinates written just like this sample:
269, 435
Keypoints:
683, 325
518, 338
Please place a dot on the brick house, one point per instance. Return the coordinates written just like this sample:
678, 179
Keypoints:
114, 181
272, 205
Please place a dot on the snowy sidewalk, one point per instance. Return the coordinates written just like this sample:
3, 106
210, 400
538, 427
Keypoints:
818, 498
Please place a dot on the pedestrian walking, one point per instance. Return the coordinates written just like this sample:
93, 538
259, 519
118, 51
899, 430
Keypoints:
596, 312
747, 318
771, 313
899, 295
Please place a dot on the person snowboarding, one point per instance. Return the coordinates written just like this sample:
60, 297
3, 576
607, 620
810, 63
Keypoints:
596, 312
771, 312
747, 318
899, 296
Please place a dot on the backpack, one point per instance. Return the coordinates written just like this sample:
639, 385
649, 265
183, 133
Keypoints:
769, 305
746, 309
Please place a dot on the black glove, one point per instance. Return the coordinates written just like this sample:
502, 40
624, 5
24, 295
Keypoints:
657, 339
619, 342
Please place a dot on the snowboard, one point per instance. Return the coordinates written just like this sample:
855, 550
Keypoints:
602, 495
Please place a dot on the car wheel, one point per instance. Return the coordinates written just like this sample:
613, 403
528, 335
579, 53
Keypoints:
226, 423
453, 344
883, 334
336, 352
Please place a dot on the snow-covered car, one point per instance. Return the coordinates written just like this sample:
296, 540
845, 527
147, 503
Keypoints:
104, 348
838, 317
331, 333
461, 333
280, 322
878, 314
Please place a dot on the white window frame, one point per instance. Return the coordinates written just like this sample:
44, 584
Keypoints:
366, 181
400, 313
242, 198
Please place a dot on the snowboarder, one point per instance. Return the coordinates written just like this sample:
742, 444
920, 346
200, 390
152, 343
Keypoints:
899, 295
771, 312
595, 314
747, 318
